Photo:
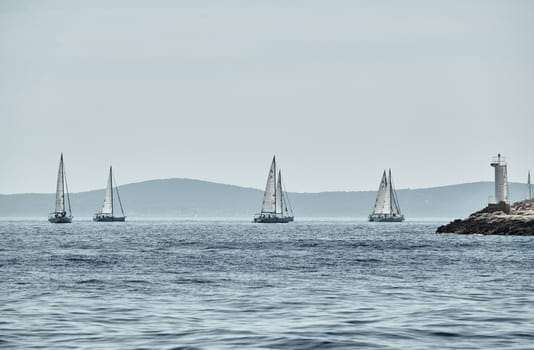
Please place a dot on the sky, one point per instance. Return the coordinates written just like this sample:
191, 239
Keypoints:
338, 90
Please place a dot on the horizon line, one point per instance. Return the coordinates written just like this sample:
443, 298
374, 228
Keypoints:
251, 188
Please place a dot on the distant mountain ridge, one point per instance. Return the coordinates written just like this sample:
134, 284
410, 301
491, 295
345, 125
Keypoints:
196, 198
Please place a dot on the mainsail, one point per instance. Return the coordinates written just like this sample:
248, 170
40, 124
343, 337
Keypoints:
107, 208
383, 198
60, 189
269, 197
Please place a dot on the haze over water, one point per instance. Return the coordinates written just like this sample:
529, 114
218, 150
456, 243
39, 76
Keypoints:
305, 285
339, 90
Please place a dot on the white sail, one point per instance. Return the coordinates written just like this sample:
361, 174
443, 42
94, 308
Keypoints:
269, 197
529, 189
383, 198
60, 189
107, 208
279, 195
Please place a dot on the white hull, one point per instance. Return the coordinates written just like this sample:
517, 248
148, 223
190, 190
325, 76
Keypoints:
386, 218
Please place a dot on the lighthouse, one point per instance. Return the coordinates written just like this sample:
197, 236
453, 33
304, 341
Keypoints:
529, 189
501, 179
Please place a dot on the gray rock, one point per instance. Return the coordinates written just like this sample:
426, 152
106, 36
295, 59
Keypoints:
496, 219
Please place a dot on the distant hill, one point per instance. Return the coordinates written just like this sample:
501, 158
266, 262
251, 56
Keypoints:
195, 198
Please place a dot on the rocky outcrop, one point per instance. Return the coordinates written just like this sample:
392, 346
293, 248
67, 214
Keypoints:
496, 219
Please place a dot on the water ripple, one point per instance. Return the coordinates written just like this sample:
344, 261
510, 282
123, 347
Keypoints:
221, 285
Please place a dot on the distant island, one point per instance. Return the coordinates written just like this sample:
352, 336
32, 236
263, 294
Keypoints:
496, 219
194, 198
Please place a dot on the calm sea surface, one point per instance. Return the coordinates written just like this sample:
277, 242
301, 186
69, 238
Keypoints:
227, 285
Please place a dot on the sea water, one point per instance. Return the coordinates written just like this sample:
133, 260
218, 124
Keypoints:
227, 285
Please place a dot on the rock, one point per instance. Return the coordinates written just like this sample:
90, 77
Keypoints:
496, 219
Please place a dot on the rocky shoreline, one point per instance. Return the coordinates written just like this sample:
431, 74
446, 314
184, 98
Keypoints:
496, 219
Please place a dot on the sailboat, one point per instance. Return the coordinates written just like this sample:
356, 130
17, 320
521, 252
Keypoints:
60, 215
276, 207
387, 207
107, 211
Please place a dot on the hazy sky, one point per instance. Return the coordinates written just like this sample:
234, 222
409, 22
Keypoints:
339, 90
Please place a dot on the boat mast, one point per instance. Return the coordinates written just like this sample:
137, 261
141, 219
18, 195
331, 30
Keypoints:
111, 181
529, 192
62, 183
275, 189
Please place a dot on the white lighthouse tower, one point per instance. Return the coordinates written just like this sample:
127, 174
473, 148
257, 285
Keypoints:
529, 185
501, 179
